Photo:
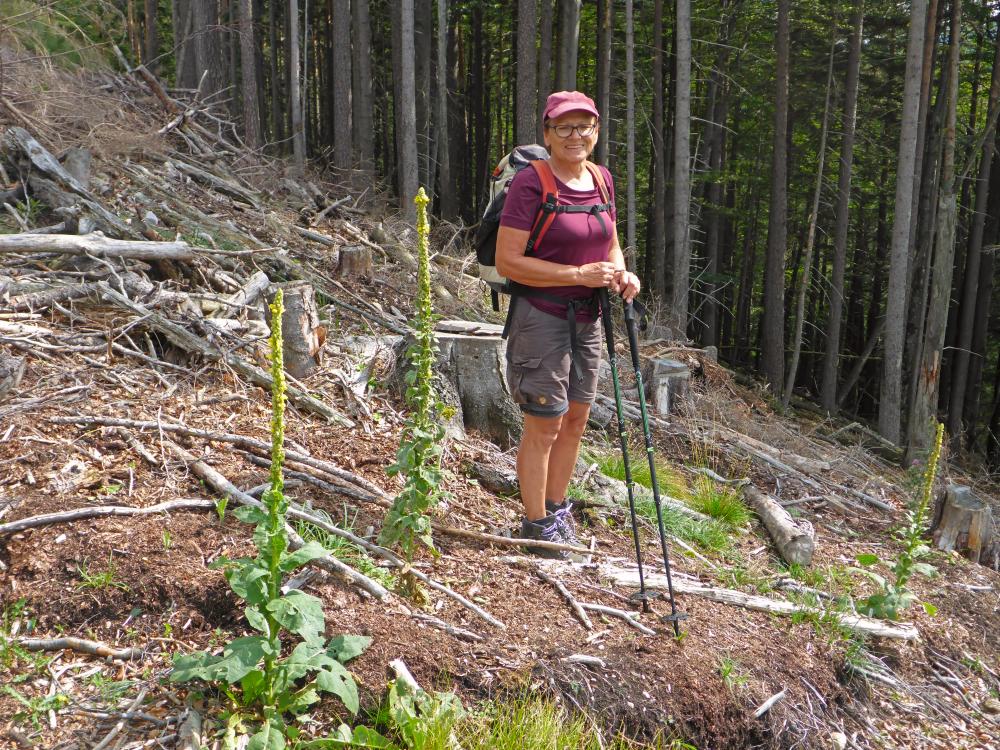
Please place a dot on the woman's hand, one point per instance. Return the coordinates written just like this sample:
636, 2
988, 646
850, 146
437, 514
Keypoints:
626, 284
596, 275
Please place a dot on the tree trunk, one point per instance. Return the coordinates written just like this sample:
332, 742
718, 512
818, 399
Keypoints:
807, 262
545, 63
681, 255
362, 100
965, 525
152, 45
294, 92
527, 85
630, 245
208, 49
342, 107
422, 21
831, 359
569, 43
406, 115
605, 28
973, 260
773, 328
890, 401
656, 239
923, 417
300, 329
447, 203
248, 71
277, 108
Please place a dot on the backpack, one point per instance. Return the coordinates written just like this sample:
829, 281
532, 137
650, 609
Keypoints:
522, 157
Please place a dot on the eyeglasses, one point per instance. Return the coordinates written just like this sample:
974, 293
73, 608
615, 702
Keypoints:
565, 131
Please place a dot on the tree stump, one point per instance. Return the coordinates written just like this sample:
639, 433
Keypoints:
300, 328
669, 385
471, 375
355, 262
11, 371
966, 524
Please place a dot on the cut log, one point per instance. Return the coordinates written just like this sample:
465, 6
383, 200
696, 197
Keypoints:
98, 245
355, 262
966, 524
303, 335
239, 302
796, 542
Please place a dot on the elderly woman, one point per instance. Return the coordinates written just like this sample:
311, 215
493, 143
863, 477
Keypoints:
554, 337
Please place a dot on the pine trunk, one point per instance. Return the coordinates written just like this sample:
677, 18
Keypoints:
656, 247
342, 120
406, 115
569, 43
545, 63
527, 86
248, 74
681, 255
362, 101
890, 400
294, 93
605, 29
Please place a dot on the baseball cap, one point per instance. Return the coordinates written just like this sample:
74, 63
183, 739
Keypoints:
561, 102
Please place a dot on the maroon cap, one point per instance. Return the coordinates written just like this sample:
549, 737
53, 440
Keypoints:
561, 102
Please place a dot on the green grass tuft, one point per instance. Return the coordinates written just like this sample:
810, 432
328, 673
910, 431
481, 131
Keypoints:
721, 502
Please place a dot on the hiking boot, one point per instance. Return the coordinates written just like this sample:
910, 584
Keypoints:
563, 513
544, 530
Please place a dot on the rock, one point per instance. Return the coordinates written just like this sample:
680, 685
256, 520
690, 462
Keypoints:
838, 740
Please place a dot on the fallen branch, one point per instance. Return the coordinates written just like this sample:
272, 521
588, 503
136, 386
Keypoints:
224, 487
795, 541
98, 245
78, 514
621, 614
82, 645
580, 613
121, 722
766, 705
189, 342
857, 623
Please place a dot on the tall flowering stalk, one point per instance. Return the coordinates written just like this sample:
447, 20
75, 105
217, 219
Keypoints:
419, 455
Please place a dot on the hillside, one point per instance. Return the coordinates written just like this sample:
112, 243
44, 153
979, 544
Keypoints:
138, 381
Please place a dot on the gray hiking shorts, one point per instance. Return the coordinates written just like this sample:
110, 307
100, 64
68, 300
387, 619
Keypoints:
539, 364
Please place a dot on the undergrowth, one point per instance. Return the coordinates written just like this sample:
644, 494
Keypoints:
341, 548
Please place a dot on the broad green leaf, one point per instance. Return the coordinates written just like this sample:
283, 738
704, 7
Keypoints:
240, 658
335, 678
343, 648
253, 684
925, 569
193, 667
269, 737
256, 618
344, 736
300, 613
299, 701
870, 574
249, 580
929, 608
250, 514
867, 559
301, 556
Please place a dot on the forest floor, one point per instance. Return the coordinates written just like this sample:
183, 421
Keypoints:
145, 582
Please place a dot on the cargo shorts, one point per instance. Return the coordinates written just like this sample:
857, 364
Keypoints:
540, 368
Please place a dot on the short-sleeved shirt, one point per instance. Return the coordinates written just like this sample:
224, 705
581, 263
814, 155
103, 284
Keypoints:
573, 238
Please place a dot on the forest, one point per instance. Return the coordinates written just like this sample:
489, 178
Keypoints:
845, 253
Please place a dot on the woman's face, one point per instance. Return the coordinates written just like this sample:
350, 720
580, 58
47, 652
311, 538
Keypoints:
573, 148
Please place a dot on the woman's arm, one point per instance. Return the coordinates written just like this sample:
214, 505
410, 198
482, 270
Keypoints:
515, 265
624, 283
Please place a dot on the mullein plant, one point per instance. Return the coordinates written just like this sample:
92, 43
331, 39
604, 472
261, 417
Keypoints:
264, 684
894, 597
419, 456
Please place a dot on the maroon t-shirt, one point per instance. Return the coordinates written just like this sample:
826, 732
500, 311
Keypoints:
573, 239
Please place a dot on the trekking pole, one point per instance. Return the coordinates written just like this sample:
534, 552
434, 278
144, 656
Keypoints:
629, 484
633, 340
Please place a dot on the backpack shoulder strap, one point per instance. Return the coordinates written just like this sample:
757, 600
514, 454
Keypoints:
602, 185
547, 208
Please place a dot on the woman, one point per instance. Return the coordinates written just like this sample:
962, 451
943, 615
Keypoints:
553, 374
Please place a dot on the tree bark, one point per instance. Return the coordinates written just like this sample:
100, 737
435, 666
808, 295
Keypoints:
656, 245
422, 33
681, 254
605, 28
362, 100
965, 525
545, 63
773, 324
300, 329
527, 87
277, 108
923, 416
796, 542
343, 132
406, 115
630, 244
569, 43
248, 71
294, 90
446, 194
973, 259
890, 401
208, 48
831, 358
152, 41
